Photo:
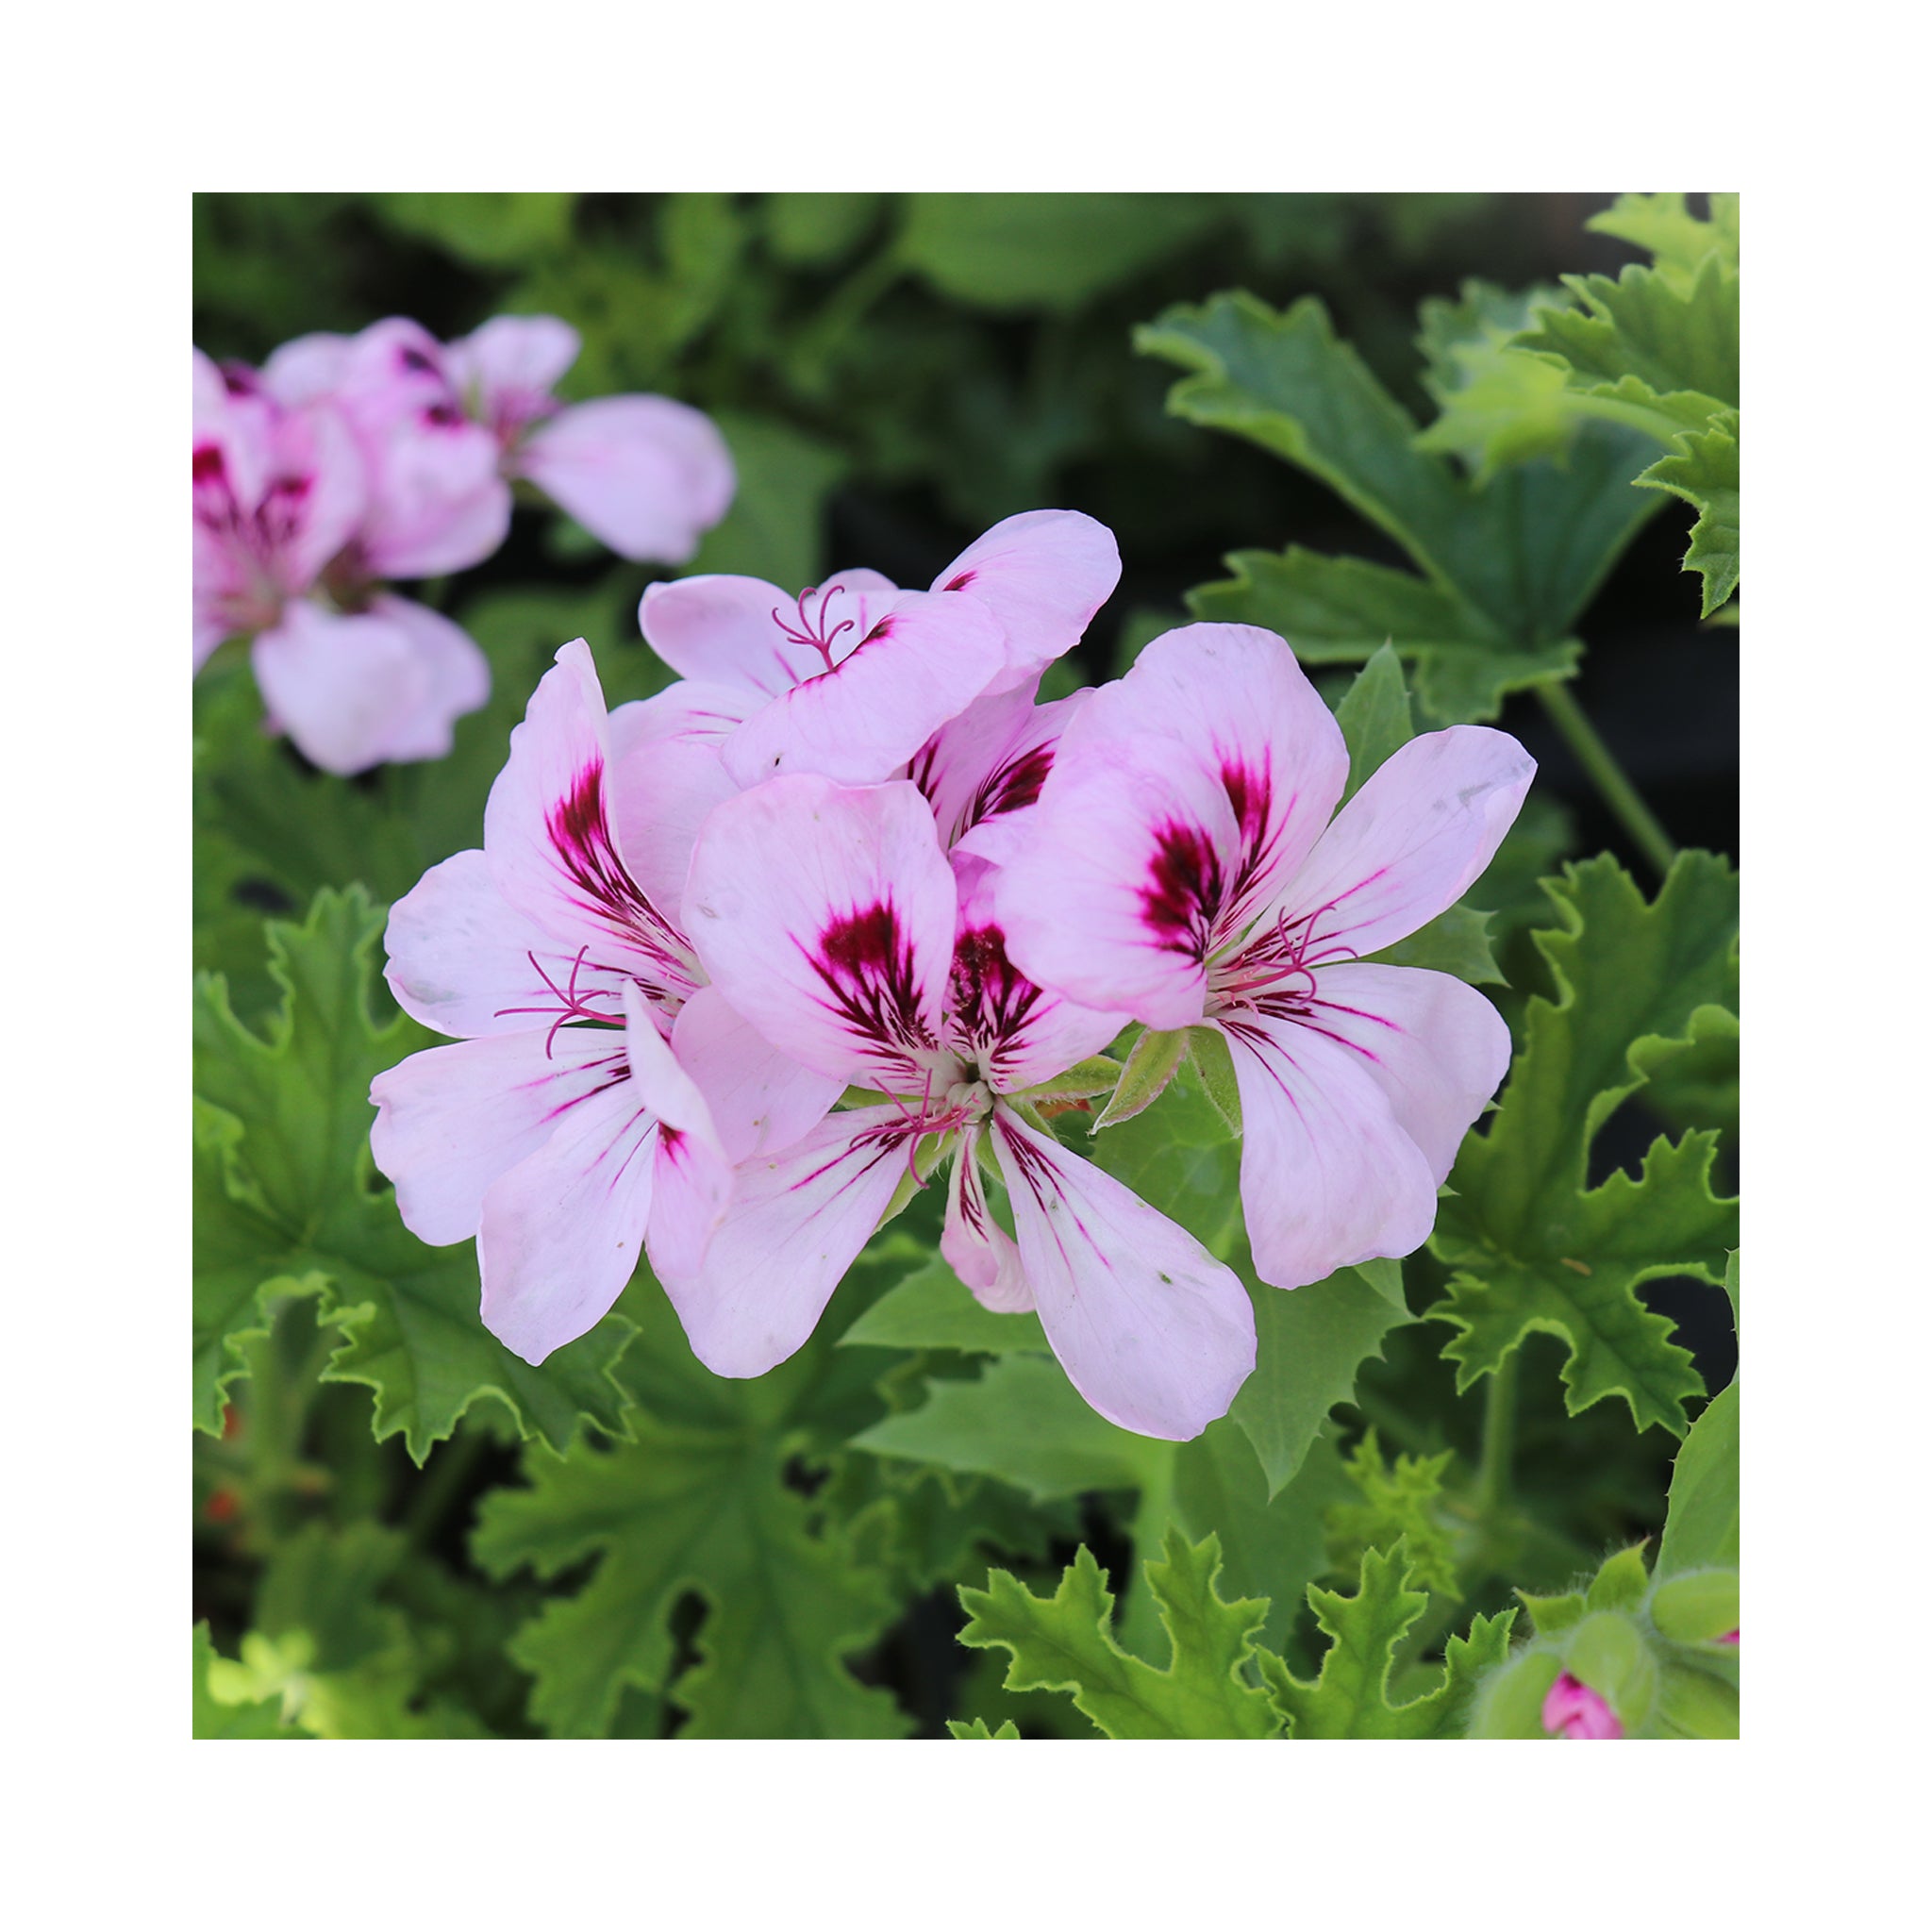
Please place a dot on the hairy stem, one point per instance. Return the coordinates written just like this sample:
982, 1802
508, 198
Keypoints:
1624, 801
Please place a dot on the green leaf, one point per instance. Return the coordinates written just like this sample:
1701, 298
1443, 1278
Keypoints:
1375, 717
1701, 1528
1349, 1697
1398, 1501
1151, 1063
1310, 1344
1213, 1063
775, 527
485, 230
1023, 1422
285, 1195
1064, 1642
1534, 1249
1497, 406
1703, 470
977, 1729
814, 230
700, 1503
1665, 226
1015, 252
239, 1714
1622, 1583
933, 1308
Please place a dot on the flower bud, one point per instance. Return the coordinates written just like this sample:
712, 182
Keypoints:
1697, 1606
1574, 1710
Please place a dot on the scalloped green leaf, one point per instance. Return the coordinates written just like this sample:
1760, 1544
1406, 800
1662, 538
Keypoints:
1701, 1526
1533, 1248
933, 1308
1349, 1696
238, 1714
1703, 470
1665, 226
284, 1194
1066, 1642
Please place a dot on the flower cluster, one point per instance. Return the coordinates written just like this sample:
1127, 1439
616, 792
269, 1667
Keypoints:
347, 461
849, 849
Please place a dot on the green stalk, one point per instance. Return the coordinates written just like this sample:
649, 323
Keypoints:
1499, 1439
1626, 803
1140, 1626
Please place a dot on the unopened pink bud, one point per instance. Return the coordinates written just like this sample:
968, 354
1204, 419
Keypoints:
1574, 1710
1729, 1637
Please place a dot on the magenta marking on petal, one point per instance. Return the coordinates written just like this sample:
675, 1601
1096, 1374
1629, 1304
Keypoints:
1183, 898
1011, 787
960, 582
208, 462
580, 835
991, 1000
866, 965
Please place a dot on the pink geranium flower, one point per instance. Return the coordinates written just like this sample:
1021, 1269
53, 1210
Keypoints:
1180, 866
1572, 1709
852, 679
832, 918
600, 1090
355, 677
643, 473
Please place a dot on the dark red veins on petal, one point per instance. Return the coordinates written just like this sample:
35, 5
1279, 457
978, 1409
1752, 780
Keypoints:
1185, 889
580, 835
1251, 793
208, 462
990, 998
866, 965
960, 581
1011, 787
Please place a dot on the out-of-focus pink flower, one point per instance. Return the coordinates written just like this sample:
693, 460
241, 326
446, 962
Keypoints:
1180, 866
1574, 1710
832, 920
1729, 1637
599, 1091
643, 473
852, 679
436, 500
280, 492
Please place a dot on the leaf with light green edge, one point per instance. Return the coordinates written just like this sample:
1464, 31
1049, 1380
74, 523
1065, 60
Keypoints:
933, 1308
1212, 1062
1513, 563
1151, 1064
1018, 252
1272, 1546
775, 527
490, 231
1023, 1422
1495, 406
977, 1729
1395, 1501
700, 1503
1649, 342
1703, 470
1701, 1526
1532, 1249
1349, 1697
241, 1716
286, 1114
1065, 1643
1665, 226
814, 230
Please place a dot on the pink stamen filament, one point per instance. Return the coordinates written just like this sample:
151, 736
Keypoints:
814, 636
574, 1005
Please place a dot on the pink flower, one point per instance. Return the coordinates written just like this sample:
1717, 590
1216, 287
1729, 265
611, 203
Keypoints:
831, 918
1729, 1637
279, 493
436, 500
646, 474
599, 1091
1180, 866
851, 680
1574, 1710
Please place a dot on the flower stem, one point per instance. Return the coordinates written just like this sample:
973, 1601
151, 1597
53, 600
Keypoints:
1626, 803
1139, 1622
1499, 1439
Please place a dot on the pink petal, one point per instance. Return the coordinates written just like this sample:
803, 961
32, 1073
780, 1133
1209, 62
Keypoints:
517, 355
662, 788
1152, 1330
1414, 839
456, 673
990, 761
646, 474
761, 1101
920, 662
977, 1249
342, 687
1437, 1048
826, 917
796, 1223
747, 634
463, 960
1019, 1033
1180, 799
693, 1182
1043, 575
315, 450
450, 1121
552, 845
686, 712
1328, 1176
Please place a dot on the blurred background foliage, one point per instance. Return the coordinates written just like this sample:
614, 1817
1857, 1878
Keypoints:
894, 373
